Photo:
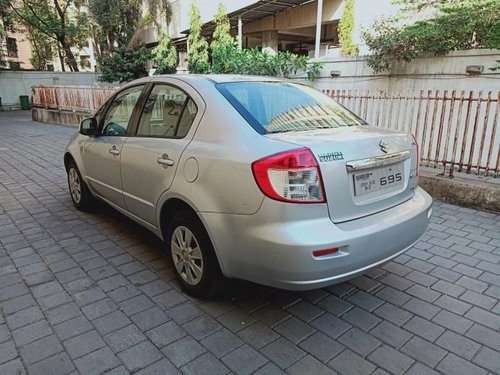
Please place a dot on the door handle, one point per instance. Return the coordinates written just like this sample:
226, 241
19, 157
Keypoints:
164, 160
113, 150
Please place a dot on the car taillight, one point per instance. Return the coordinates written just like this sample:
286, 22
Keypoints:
418, 155
290, 176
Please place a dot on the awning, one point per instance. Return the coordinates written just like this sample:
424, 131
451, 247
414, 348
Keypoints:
253, 12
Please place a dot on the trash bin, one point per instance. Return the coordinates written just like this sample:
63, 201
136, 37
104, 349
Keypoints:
1, 108
25, 102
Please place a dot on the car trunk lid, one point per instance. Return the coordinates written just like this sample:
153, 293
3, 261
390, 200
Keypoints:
364, 169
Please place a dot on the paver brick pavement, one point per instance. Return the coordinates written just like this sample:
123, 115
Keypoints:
93, 293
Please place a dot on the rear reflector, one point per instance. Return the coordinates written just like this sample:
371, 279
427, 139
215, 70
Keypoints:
418, 155
321, 253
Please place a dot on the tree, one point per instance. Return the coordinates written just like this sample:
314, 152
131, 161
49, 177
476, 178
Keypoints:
115, 22
155, 7
124, 64
346, 27
5, 24
59, 20
41, 49
165, 55
197, 44
453, 25
223, 44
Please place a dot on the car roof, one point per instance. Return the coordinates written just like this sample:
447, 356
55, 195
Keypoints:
221, 78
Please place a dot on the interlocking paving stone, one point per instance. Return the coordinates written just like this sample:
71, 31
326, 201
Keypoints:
151, 318
183, 351
59, 364
462, 346
393, 314
488, 358
165, 334
97, 362
484, 317
40, 349
13, 367
294, 330
206, 364
423, 351
184, 312
390, 334
360, 318
83, 344
31, 332
452, 321
244, 360
24, 317
111, 322
221, 342
72, 327
349, 363
282, 352
139, 356
8, 351
124, 338
358, 341
163, 366
94, 293
452, 364
484, 336
330, 325
234, 320
309, 364
321, 346
391, 360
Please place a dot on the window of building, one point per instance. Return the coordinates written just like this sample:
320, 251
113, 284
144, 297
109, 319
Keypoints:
14, 65
12, 47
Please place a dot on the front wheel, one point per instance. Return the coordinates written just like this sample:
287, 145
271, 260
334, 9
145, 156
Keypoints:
80, 195
192, 254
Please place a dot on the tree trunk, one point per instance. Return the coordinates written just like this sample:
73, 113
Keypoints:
70, 58
61, 58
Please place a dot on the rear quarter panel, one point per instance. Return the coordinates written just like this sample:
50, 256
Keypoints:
224, 146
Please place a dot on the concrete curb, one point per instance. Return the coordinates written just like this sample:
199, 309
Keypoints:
467, 193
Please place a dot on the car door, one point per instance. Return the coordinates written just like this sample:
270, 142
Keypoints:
151, 157
101, 154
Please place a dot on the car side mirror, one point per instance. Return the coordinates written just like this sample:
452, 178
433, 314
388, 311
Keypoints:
88, 126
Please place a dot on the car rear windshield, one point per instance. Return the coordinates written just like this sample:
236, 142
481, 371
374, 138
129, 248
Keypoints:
272, 107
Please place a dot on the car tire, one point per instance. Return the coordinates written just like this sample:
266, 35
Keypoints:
193, 255
80, 195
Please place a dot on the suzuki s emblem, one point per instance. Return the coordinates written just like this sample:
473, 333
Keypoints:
384, 147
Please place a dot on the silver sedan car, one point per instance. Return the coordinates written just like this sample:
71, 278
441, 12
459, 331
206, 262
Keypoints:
251, 178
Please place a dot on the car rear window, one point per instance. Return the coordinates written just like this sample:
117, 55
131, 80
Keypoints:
272, 107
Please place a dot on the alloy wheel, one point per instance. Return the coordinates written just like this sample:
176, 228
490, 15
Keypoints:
187, 256
75, 187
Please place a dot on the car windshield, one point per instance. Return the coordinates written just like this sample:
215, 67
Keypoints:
272, 107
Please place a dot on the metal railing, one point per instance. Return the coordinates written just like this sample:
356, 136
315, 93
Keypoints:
81, 99
455, 130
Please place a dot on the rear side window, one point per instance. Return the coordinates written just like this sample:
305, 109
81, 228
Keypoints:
282, 107
168, 113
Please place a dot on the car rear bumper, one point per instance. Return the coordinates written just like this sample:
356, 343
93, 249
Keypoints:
266, 249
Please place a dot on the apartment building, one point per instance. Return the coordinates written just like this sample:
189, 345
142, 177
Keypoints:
307, 27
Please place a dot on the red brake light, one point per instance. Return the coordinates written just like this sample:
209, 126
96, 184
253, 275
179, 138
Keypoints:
290, 176
417, 153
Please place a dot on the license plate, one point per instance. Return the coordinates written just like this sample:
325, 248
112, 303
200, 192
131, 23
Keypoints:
384, 179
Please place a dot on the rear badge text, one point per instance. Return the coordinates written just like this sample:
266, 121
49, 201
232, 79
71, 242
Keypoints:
331, 156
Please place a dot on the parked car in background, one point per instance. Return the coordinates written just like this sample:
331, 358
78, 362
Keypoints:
252, 178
